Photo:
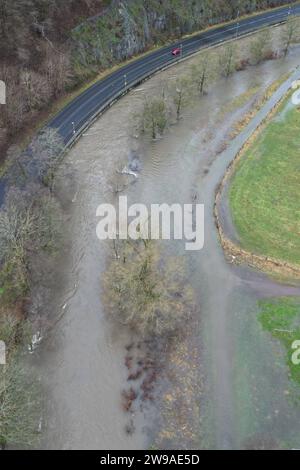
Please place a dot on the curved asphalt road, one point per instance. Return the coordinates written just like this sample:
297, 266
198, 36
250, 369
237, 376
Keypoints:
76, 116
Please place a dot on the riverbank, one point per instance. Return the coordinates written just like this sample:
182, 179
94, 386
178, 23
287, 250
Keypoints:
274, 256
270, 188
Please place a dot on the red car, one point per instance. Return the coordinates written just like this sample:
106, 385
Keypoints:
176, 51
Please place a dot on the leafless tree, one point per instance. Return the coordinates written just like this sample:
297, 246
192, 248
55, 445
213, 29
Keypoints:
57, 69
290, 33
227, 60
181, 94
37, 91
203, 72
259, 46
29, 222
154, 117
45, 153
20, 406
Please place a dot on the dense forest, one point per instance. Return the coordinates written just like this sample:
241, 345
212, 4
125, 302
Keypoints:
48, 47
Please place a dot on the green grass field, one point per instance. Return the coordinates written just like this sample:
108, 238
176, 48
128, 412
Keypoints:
282, 319
265, 190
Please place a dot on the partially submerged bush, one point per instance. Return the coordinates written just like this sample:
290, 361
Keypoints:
145, 292
154, 117
260, 47
228, 60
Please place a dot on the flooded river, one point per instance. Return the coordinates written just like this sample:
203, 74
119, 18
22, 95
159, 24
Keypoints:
246, 396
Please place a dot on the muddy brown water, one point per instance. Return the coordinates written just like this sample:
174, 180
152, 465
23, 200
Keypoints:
246, 395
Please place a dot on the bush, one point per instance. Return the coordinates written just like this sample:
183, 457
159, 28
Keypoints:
260, 46
147, 293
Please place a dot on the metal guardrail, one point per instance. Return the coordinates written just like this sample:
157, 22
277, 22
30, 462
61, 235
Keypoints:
109, 102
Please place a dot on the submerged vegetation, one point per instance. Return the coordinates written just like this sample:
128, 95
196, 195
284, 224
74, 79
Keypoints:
182, 92
177, 95
62, 44
146, 291
281, 318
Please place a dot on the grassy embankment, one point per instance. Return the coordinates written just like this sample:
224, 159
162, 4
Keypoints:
265, 190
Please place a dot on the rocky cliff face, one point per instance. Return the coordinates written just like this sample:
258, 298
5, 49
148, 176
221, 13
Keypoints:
131, 26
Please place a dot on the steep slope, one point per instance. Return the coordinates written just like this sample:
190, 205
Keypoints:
43, 53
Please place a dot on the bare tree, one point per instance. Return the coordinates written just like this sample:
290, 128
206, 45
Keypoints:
13, 113
20, 409
29, 222
289, 34
181, 94
58, 70
227, 60
259, 46
36, 90
154, 117
45, 153
17, 225
203, 72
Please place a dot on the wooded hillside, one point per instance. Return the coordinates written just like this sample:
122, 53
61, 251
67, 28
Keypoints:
49, 46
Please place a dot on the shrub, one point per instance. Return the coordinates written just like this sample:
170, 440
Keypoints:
145, 292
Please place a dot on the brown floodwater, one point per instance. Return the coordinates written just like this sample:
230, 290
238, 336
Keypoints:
244, 397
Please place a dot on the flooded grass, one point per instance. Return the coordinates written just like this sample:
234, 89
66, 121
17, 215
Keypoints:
266, 402
281, 317
240, 100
